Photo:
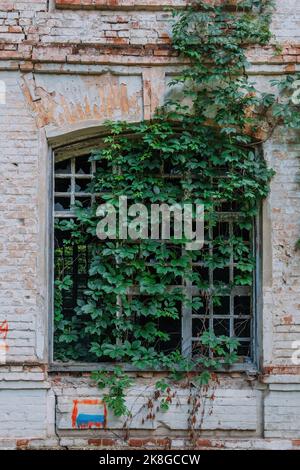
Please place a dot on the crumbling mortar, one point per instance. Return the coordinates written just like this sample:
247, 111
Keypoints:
59, 438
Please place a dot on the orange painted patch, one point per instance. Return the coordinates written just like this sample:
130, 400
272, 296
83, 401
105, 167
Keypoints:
88, 402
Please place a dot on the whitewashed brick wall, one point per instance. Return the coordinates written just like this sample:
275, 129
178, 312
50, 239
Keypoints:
55, 64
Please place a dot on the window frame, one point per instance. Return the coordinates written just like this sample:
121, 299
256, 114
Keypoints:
252, 367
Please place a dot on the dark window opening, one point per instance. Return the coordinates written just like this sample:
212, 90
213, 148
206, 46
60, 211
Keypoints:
230, 314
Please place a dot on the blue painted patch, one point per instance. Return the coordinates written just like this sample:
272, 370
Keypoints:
84, 419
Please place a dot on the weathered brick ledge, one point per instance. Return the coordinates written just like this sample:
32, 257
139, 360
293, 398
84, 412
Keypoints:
163, 443
112, 53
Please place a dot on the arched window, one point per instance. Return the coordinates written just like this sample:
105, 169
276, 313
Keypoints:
232, 315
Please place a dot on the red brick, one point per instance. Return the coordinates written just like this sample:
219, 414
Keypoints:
108, 442
101, 442
161, 442
136, 442
22, 443
208, 443
204, 443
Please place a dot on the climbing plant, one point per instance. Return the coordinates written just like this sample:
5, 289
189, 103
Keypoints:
207, 140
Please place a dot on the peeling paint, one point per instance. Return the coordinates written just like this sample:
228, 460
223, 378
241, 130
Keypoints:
69, 99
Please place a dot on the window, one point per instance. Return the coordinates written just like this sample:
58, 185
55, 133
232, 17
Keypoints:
231, 313
72, 177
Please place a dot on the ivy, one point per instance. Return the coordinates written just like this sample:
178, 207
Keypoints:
210, 139
117, 384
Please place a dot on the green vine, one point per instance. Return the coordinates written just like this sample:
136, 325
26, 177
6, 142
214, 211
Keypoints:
117, 383
209, 142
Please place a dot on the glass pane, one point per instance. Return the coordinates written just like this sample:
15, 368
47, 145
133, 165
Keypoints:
244, 349
62, 204
241, 232
242, 305
62, 185
242, 328
221, 230
221, 275
200, 325
63, 167
82, 184
222, 306
221, 327
82, 165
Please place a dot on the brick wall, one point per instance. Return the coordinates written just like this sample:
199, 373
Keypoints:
68, 66
19, 222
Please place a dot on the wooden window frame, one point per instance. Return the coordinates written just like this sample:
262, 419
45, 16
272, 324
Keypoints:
251, 367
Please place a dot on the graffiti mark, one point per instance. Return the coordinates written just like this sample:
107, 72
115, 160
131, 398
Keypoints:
3, 329
3, 346
88, 414
90, 421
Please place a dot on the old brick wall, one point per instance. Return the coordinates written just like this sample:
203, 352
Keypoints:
67, 66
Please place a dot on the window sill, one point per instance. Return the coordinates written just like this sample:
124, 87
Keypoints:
151, 5
247, 367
